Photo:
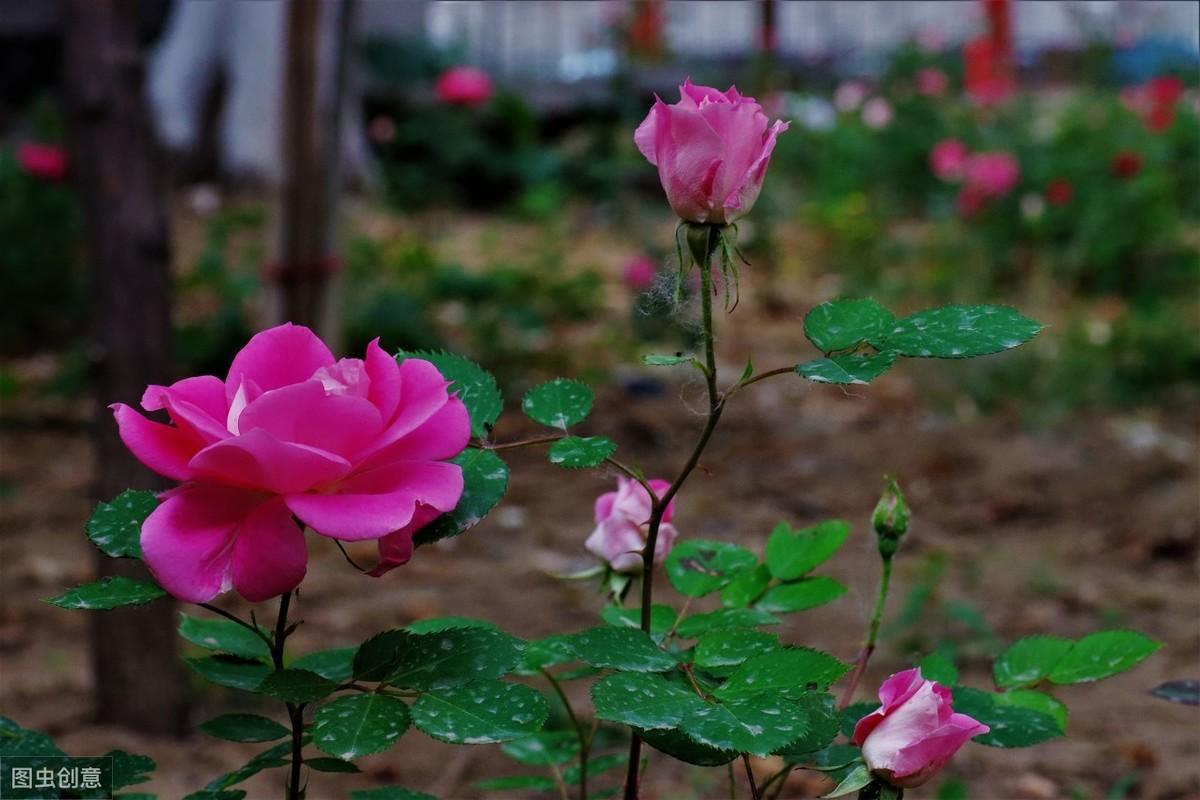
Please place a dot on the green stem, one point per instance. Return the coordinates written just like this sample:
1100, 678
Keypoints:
750, 778
295, 710
585, 741
869, 646
257, 631
716, 404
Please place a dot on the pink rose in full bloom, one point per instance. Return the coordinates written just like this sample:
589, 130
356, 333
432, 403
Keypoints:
948, 160
45, 161
464, 86
622, 519
354, 448
932, 82
711, 149
993, 174
915, 732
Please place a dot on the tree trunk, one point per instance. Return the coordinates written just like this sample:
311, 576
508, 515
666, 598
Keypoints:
139, 683
306, 260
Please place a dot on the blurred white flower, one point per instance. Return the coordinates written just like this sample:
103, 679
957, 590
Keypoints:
813, 113
1032, 206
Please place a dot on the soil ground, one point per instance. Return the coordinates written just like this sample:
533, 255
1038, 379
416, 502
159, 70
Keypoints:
1090, 524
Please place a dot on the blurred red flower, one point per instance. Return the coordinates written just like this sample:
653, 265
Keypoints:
47, 162
1059, 192
1126, 164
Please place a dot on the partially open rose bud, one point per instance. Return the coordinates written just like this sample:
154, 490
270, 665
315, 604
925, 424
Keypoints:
622, 524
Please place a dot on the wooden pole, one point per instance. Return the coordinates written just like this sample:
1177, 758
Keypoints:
138, 678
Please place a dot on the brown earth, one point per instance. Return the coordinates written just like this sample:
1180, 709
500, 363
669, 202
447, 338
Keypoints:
1087, 525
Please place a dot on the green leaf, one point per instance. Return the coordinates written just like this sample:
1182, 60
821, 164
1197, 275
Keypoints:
455, 656
278, 756
746, 587
626, 649
1011, 725
559, 403
244, 728
729, 648
801, 595
18, 741
230, 671
330, 765
116, 527
787, 672
677, 745
662, 619
1186, 692
485, 479
336, 664
1034, 701
596, 766
296, 686
359, 724
858, 778
393, 793
379, 656
1028, 661
697, 567
1102, 655
847, 369
700, 624
581, 452
227, 794
129, 769
959, 332
938, 668
657, 360
643, 700
223, 636
791, 555
544, 653
538, 783
757, 724
823, 725
108, 593
541, 749
847, 323
470, 382
436, 624
480, 713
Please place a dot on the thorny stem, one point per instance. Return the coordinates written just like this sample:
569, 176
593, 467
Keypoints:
585, 740
716, 404
864, 655
760, 376
520, 443
257, 631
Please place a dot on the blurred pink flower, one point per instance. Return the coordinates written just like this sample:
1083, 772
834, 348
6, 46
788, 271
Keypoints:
993, 174
915, 732
849, 95
622, 519
932, 82
354, 448
712, 149
877, 113
464, 86
948, 160
47, 162
639, 273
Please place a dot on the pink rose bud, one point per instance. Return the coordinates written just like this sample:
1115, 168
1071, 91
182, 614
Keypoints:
992, 174
711, 150
47, 162
622, 523
915, 732
356, 449
948, 160
464, 86
932, 82
639, 273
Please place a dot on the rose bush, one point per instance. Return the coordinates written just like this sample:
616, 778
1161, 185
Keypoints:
354, 448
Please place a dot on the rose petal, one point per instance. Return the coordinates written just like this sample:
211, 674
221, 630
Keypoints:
269, 554
380, 501
385, 381
163, 448
277, 357
258, 460
303, 413
442, 436
396, 548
